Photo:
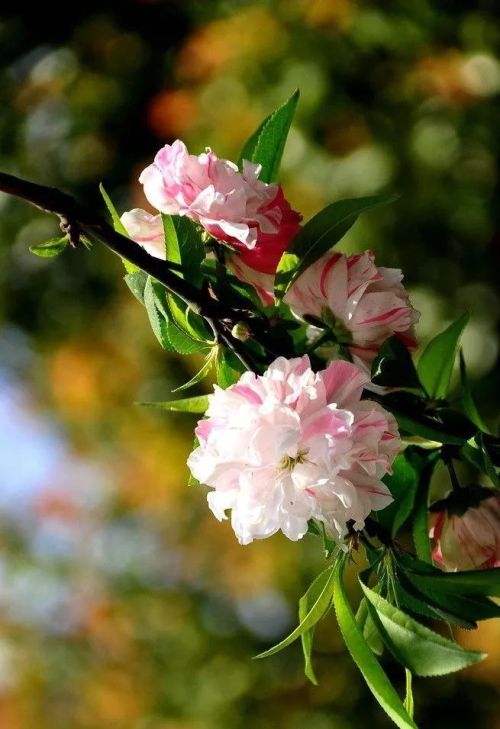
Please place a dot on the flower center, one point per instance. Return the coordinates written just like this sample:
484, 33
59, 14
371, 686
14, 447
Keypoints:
288, 463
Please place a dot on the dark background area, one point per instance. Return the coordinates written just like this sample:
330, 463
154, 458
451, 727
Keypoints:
123, 603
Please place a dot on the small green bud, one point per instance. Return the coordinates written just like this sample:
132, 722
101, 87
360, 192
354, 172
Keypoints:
241, 331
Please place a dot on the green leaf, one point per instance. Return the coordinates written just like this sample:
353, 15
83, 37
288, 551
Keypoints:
183, 317
403, 484
412, 644
319, 235
187, 405
137, 283
228, 368
266, 145
393, 366
184, 246
318, 608
117, 225
409, 703
435, 365
182, 336
421, 514
470, 582
371, 669
417, 423
51, 248
159, 324
199, 376
476, 452
467, 399
306, 603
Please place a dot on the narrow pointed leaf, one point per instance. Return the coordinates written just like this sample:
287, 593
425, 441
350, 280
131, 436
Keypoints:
187, 405
375, 677
318, 609
199, 376
319, 235
306, 603
467, 399
435, 365
117, 225
266, 145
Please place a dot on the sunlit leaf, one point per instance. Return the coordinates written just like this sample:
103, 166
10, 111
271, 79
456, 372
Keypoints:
117, 225
367, 663
319, 235
187, 405
50, 248
266, 145
412, 644
316, 612
435, 365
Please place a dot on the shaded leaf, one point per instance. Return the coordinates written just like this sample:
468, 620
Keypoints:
467, 399
393, 366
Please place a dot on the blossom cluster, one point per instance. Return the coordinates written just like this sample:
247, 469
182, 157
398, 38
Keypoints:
294, 445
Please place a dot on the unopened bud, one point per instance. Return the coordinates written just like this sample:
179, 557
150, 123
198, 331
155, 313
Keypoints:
241, 331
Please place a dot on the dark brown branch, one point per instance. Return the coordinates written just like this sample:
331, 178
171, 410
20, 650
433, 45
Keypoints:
76, 220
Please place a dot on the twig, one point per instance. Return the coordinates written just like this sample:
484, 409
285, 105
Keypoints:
76, 220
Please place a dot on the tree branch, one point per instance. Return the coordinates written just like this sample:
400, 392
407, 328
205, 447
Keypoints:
76, 220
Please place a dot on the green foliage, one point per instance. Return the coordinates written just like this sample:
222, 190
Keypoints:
137, 284
50, 248
467, 399
435, 365
117, 225
404, 485
306, 604
202, 373
228, 367
319, 235
317, 602
362, 655
183, 246
413, 645
187, 405
393, 366
266, 145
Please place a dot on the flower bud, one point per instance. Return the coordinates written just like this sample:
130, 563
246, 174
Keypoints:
241, 331
466, 536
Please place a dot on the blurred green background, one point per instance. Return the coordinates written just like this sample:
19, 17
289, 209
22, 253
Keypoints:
123, 603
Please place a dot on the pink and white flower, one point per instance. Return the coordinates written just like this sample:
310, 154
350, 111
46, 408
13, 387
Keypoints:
370, 303
293, 445
234, 207
467, 541
147, 230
